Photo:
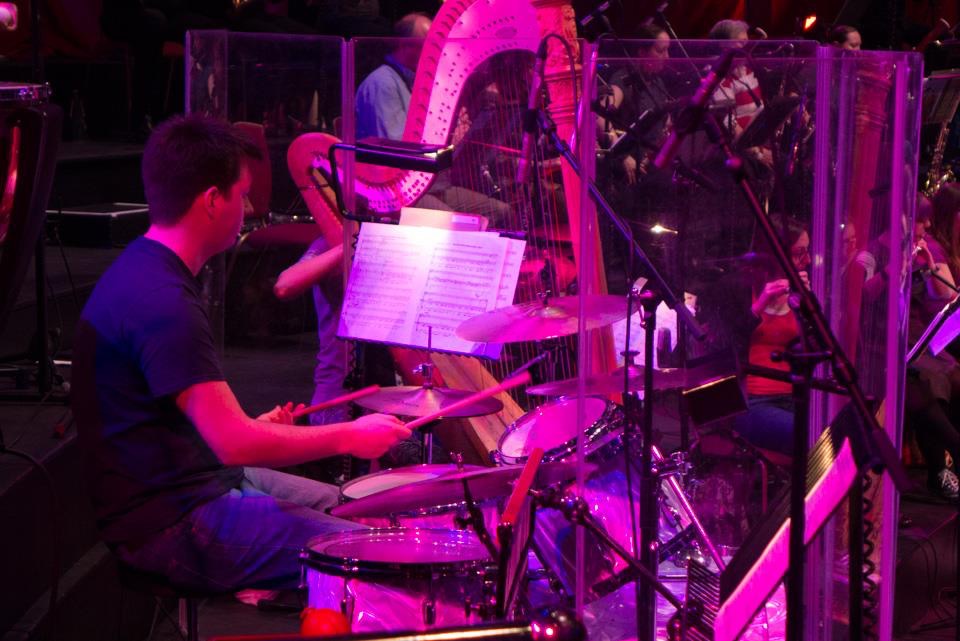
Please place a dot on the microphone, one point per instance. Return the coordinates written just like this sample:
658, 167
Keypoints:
530, 124
657, 14
691, 116
637, 129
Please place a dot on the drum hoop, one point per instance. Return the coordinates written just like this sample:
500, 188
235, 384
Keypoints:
431, 511
345, 498
354, 567
23, 93
594, 432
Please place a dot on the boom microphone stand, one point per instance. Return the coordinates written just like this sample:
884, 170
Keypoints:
646, 605
819, 344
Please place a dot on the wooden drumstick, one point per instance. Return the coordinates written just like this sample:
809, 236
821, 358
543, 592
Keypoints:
510, 383
340, 400
512, 511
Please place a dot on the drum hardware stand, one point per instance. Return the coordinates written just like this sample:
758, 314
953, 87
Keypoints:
817, 334
576, 511
548, 349
646, 603
475, 520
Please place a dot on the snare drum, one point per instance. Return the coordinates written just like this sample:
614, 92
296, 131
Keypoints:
398, 578
430, 515
554, 428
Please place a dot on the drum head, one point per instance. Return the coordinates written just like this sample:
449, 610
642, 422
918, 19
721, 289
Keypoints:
399, 549
550, 426
377, 482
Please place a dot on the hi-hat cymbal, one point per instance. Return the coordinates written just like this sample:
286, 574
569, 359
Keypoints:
612, 383
492, 483
535, 321
424, 401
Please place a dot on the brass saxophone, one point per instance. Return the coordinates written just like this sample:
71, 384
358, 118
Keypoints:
936, 176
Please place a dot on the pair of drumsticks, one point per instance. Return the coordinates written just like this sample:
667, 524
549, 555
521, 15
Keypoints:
521, 379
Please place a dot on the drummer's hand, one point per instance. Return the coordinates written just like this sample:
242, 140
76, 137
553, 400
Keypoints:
372, 435
805, 277
281, 414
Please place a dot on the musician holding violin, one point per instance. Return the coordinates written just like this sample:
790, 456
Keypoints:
171, 457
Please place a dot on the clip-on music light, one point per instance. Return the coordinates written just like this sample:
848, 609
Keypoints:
395, 154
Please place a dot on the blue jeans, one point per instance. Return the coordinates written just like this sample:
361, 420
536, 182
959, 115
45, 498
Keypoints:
768, 423
250, 537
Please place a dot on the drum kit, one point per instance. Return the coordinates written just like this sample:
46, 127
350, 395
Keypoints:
428, 558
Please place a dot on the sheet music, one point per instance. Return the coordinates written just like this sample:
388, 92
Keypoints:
407, 282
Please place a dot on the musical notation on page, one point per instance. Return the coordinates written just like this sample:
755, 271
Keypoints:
413, 286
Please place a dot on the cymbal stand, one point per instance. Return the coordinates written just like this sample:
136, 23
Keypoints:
819, 343
475, 520
646, 608
426, 455
426, 371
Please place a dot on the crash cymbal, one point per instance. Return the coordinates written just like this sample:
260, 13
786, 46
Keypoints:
535, 321
424, 401
486, 484
612, 383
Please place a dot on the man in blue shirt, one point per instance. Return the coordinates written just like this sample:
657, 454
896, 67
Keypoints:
384, 96
175, 467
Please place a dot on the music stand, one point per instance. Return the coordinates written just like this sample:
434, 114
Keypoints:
941, 97
773, 114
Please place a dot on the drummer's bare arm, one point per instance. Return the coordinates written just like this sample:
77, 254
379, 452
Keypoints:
301, 276
238, 439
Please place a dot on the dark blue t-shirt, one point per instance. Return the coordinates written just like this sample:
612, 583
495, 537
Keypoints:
144, 337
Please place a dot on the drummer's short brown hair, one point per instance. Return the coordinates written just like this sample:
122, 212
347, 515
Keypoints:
185, 156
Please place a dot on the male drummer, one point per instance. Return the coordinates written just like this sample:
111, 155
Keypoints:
169, 451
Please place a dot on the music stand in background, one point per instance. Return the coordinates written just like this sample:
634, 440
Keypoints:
941, 97
29, 136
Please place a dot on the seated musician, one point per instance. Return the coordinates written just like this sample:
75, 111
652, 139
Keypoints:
382, 102
638, 106
171, 457
754, 318
845, 37
636, 90
932, 397
741, 85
